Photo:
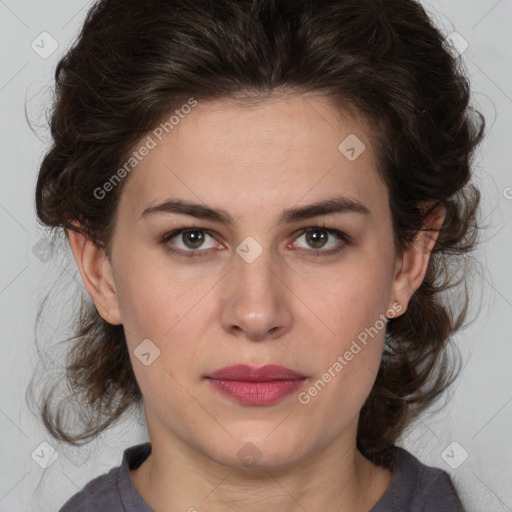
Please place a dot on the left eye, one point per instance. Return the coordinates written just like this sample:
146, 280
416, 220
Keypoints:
321, 238
190, 239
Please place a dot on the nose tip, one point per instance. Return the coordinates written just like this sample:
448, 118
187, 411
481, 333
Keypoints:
257, 304
255, 327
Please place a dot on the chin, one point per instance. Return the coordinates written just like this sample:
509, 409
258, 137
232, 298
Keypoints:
253, 453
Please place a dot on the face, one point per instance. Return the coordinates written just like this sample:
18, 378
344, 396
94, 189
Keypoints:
218, 259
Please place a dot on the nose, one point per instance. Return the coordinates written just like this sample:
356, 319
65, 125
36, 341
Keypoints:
257, 300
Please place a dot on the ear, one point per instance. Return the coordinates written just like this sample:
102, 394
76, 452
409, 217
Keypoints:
411, 266
97, 275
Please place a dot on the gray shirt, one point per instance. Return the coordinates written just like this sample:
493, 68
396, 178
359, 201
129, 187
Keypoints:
414, 488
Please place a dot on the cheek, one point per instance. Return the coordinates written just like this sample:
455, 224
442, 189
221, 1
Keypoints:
354, 308
171, 313
348, 368
153, 299
355, 302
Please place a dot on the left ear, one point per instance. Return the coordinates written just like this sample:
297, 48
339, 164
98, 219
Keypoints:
411, 266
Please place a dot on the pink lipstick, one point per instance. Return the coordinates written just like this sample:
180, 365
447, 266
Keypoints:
256, 386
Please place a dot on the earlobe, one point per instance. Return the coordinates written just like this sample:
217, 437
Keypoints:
411, 266
97, 276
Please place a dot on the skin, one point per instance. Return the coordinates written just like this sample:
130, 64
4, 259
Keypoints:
287, 307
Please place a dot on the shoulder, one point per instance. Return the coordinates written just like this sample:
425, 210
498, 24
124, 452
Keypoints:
107, 493
102, 493
418, 488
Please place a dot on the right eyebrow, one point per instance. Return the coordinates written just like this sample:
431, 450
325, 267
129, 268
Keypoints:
197, 210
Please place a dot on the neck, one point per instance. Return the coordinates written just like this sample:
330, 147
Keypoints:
336, 478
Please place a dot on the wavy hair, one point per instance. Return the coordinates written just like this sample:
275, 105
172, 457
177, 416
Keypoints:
136, 61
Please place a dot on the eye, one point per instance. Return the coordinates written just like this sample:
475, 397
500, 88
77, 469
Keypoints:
196, 242
190, 240
321, 240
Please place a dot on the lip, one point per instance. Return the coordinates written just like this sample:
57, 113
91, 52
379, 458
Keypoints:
256, 386
266, 373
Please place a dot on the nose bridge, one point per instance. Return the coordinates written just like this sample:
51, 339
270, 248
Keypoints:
255, 279
256, 299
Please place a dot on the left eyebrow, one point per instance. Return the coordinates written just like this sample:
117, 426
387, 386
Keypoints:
327, 207
201, 211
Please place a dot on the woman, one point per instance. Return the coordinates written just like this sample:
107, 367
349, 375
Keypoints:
265, 200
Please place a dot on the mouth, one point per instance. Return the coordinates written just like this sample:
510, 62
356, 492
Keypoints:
256, 386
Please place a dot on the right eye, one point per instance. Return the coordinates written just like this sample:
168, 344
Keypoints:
190, 242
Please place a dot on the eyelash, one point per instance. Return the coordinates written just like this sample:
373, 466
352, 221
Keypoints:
345, 239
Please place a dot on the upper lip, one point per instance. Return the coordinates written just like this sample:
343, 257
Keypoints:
248, 373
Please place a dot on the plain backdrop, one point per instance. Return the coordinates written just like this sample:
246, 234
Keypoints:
469, 438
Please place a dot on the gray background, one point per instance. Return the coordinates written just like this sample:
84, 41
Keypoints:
478, 416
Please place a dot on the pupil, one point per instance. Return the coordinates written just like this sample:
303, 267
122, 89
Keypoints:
193, 239
316, 238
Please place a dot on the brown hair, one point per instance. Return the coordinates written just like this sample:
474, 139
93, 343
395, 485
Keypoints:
136, 61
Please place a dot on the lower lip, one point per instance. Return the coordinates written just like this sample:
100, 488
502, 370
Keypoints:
256, 393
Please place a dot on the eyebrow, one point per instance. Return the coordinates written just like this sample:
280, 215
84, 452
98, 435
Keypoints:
201, 211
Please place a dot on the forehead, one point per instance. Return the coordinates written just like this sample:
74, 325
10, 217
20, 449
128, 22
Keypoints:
245, 156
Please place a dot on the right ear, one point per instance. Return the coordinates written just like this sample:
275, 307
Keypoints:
97, 275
